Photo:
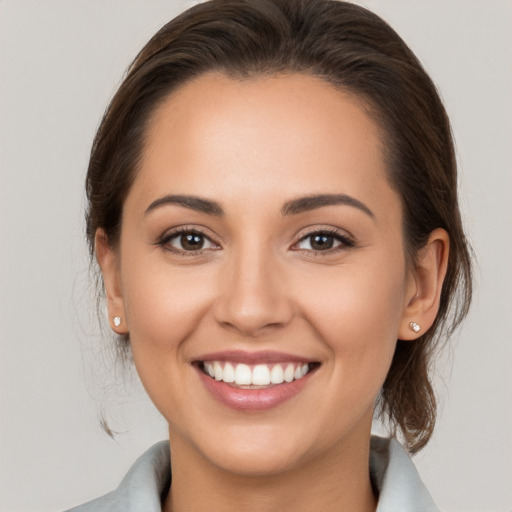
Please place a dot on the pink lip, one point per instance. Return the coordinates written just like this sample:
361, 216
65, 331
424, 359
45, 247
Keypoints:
263, 357
252, 399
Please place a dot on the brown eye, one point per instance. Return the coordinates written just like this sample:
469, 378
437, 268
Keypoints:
191, 241
187, 241
324, 241
321, 242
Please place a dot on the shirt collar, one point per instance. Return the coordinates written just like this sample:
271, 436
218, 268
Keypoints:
396, 479
392, 472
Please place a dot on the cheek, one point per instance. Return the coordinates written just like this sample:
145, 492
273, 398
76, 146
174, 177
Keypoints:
357, 311
163, 307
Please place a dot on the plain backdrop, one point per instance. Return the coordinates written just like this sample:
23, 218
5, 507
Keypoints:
60, 62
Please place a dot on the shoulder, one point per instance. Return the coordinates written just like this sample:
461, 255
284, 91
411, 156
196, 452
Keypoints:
396, 479
141, 489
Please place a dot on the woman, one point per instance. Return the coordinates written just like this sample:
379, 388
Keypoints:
273, 207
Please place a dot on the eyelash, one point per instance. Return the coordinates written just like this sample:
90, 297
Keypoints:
346, 242
167, 237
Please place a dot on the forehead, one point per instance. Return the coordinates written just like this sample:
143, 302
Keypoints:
271, 136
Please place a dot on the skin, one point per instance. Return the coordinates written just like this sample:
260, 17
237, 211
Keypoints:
251, 146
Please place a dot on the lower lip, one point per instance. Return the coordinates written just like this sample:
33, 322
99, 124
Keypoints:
253, 399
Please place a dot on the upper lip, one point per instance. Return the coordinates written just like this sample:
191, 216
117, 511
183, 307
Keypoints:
261, 357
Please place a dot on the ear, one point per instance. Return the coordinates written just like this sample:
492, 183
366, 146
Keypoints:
108, 260
425, 282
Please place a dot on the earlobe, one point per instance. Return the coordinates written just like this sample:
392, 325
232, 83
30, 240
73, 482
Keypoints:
108, 260
426, 283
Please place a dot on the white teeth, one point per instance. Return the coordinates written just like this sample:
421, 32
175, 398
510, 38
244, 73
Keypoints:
243, 375
261, 375
277, 374
217, 370
289, 373
258, 375
229, 373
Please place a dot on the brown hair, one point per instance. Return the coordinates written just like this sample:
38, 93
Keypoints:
354, 50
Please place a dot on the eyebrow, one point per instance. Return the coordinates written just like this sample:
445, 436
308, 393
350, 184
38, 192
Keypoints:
192, 202
293, 207
304, 204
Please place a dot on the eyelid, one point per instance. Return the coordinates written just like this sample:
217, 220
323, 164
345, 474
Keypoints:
168, 235
346, 240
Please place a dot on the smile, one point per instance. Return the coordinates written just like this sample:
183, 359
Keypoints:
255, 376
254, 382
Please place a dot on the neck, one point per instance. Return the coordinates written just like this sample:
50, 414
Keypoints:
335, 482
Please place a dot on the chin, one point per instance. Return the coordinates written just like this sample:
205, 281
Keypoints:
246, 450
256, 462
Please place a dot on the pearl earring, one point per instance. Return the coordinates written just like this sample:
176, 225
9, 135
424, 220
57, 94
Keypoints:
117, 321
415, 327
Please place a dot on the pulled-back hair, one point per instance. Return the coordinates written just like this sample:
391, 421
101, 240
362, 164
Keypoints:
354, 50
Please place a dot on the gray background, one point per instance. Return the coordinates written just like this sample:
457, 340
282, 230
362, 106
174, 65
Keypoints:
60, 61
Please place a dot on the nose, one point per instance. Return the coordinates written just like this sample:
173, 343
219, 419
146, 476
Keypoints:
252, 296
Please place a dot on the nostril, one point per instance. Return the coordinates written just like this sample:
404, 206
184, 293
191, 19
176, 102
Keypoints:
252, 317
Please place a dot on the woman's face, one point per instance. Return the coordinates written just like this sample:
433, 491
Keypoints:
262, 240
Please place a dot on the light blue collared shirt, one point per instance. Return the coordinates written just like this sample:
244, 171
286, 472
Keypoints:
392, 471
